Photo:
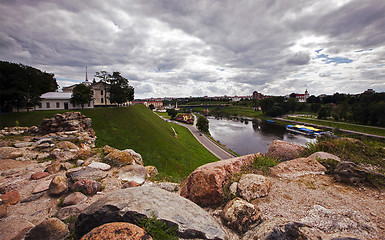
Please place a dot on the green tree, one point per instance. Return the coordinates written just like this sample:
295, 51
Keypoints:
203, 124
151, 106
323, 113
172, 113
120, 90
21, 86
81, 94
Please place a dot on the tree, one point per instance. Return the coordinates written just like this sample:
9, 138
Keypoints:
293, 95
203, 124
172, 113
21, 86
120, 90
323, 113
104, 77
81, 94
151, 106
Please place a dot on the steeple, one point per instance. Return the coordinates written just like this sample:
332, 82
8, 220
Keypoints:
86, 75
86, 82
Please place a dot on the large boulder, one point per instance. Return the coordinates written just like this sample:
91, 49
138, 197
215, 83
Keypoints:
283, 151
117, 230
298, 167
204, 185
349, 172
132, 204
240, 215
252, 186
49, 229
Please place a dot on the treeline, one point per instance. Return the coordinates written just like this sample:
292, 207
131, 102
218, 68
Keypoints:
366, 108
21, 86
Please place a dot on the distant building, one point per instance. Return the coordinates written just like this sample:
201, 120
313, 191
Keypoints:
257, 95
369, 91
59, 100
302, 97
187, 118
157, 104
100, 92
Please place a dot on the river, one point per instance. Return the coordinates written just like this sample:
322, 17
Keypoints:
250, 136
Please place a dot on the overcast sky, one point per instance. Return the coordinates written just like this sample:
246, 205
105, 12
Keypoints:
187, 48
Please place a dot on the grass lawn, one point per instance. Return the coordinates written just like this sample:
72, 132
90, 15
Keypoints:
342, 125
138, 128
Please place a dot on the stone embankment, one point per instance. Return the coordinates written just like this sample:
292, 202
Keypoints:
54, 184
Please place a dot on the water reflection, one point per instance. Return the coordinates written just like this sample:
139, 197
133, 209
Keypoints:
244, 138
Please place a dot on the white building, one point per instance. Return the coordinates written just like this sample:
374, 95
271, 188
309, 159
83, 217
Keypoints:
59, 100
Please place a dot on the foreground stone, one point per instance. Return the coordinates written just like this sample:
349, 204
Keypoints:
49, 229
204, 185
12, 197
119, 158
86, 186
283, 151
240, 215
133, 173
58, 185
14, 228
282, 229
74, 198
191, 220
117, 230
349, 172
136, 156
298, 167
252, 186
89, 173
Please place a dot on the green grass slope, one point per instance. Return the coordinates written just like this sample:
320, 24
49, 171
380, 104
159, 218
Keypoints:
137, 128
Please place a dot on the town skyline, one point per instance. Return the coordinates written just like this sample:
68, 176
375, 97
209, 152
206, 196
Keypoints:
180, 48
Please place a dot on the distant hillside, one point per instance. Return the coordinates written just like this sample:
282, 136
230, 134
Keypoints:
136, 127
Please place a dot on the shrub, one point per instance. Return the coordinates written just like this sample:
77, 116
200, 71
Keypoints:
159, 230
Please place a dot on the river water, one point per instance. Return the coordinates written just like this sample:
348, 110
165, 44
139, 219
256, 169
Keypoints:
250, 136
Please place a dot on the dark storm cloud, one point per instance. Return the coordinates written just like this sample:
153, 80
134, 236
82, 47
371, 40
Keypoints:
158, 44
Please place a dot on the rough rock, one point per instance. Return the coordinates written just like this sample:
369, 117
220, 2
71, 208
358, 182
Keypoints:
151, 171
298, 167
66, 145
324, 156
119, 158
83, 154
53, 168
62, 156
107, 149
349, 172
136, 156
283, 151
86, 186
15, 154
5, 151
58, 185
100, 165
240, 215
74, 198
130, 184
281, 229
39, 175
338, 221
204, 185
252, 186
12, 197
86, 173
135, 173
49, 229
117, 230
42, 186
23, 144
33, 197
79, 162
234, 188
192, 221
4, 144
14, 229
3, 210
69, 211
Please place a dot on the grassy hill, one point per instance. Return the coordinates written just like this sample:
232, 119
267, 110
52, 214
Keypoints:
136, 127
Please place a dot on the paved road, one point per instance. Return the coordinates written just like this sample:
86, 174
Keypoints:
209, 144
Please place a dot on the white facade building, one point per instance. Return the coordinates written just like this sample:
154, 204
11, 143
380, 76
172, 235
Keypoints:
59, 100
